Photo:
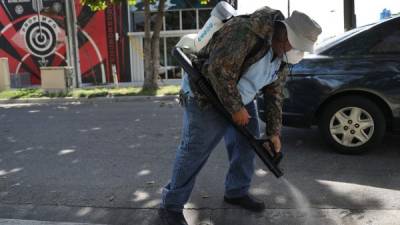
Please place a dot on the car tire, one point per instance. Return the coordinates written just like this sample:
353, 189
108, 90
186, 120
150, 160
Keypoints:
352, 124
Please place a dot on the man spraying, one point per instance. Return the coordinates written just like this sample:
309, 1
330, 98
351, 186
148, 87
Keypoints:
249, 53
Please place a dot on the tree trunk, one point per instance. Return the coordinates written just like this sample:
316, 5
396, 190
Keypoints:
148, 68
155, 41
152, 45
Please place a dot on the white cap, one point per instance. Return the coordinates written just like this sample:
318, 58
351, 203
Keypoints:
302, 31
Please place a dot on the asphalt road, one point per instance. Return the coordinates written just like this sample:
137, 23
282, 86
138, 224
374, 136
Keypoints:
106, 163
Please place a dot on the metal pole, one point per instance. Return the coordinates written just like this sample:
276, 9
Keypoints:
73, 41
349, 15
288, 8
76, 43
39, 8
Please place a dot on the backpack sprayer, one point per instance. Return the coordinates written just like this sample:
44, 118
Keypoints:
193, 43
221, 13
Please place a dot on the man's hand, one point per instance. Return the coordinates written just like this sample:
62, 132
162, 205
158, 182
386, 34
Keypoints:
241, 117
276, 141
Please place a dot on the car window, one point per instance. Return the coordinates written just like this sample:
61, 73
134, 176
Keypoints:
334, 40
358, 44
389, 45
374, 38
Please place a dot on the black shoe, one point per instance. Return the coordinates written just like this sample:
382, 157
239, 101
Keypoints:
169, 217
247, 202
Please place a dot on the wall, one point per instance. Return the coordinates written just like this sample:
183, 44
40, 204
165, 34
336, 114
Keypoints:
28, 43
31, 40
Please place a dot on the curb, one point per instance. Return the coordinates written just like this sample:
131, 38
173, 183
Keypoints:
90, 100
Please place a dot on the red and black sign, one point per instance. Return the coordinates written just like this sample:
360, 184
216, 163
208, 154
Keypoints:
30, 39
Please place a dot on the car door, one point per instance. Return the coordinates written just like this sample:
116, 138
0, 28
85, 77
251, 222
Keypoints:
379, 62
386, 57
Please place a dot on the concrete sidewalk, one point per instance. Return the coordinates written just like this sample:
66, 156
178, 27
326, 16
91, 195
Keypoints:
105, 163
228, 216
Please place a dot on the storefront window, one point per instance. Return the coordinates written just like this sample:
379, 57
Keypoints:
188, 19
138, 22
162, 46
172, 68
204, 14
172, 20
162, 69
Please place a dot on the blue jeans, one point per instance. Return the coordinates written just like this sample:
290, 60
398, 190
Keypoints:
202, 130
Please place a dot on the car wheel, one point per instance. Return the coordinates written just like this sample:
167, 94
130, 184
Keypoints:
352, 124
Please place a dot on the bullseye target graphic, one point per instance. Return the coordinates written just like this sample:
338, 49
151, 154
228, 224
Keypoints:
30, 40
40, 36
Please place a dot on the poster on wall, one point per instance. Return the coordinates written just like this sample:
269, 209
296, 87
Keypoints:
103, 44
31, 39
34, 35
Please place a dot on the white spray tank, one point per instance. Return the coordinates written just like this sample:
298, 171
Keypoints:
222, 12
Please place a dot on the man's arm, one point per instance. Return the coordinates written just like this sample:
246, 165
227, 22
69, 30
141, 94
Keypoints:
273, 100
227, 55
